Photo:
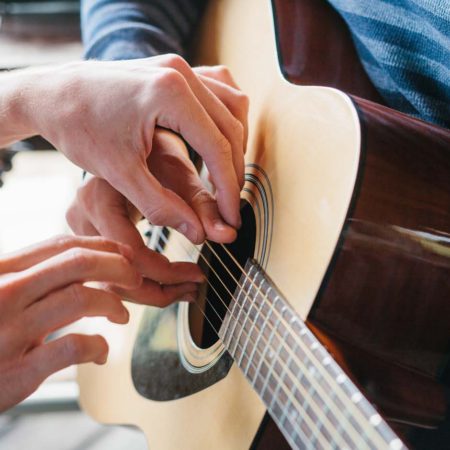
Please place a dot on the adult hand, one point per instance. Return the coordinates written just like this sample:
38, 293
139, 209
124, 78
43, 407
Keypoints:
41, 290
99, 209
103, 116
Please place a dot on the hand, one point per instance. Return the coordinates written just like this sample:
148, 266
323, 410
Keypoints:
103, 115
42, 290
101, 210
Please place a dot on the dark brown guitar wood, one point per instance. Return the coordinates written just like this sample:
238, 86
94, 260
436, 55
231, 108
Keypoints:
388, 290
315, 48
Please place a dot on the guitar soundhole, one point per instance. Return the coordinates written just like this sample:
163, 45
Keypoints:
223, 265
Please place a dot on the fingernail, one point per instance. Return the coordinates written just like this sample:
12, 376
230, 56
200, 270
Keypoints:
219, 225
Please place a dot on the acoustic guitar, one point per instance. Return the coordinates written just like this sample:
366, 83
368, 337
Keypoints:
326, 323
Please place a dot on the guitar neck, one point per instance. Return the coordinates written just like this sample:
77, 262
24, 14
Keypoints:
308, 395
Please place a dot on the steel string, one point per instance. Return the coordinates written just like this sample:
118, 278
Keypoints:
249, 337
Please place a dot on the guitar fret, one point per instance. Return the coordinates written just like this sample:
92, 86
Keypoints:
266, 347
240, 329
276, 367
226, 332
309, 396
252, 328
247, 279
269, 352
248, 321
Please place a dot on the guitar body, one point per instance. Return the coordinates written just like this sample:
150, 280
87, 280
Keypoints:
348, 222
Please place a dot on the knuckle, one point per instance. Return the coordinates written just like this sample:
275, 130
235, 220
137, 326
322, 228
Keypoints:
71, 216
123, 261
201, 197
164, 264
74, 347
157, 214
175, 61
81, 259
223, 147
78, 297
64, 242
85, 193
238, 128
170, 80
223, 71
243, 101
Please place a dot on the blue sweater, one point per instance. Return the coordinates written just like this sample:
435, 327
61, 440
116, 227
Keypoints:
404, 45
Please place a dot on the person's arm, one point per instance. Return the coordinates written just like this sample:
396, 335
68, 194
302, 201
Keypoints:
117, 29
103, 115
14, 88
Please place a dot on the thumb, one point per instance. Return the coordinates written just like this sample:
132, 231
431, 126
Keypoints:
159, 205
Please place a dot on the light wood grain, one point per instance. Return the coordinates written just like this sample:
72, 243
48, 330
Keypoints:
307, 140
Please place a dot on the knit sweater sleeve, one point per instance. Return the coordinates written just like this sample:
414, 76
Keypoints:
121, 29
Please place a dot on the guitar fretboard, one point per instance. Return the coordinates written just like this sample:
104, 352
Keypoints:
311, 399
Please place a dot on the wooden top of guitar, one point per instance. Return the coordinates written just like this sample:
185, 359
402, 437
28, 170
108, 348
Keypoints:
307, 141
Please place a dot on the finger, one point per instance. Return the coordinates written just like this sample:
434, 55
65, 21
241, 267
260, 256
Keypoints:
234, 100
22, 379
111, 217
76, 265
159, 205
168, 155
25, 258
68, 305
229, 127
182, 112
155, 294
115, 224
56, 355
219, 73
79, 222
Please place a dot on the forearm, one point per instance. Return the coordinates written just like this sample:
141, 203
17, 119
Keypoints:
17, 92
114, 29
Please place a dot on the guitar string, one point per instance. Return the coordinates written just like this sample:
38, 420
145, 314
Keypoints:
359, 417
344, 399
318, 433
315, 382
306, 394
363, 420
295, 426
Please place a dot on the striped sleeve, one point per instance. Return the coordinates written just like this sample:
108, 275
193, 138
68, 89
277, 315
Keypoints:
121, 29
404, 46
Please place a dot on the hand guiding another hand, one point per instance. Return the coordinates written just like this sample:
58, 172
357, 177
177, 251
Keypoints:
106, 117
120, 121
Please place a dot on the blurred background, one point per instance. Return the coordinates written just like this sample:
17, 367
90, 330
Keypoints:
37, 185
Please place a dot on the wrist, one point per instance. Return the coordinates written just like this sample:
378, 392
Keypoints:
19, 102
